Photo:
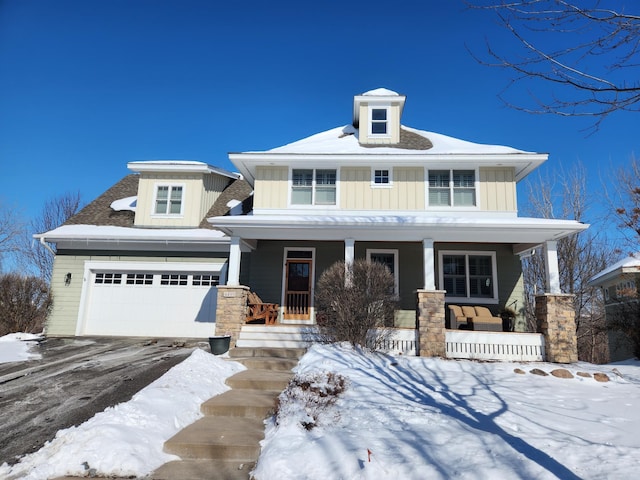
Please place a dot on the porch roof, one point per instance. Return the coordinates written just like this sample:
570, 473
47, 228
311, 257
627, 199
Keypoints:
527, 232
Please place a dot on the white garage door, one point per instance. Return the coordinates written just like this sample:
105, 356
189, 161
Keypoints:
166, 303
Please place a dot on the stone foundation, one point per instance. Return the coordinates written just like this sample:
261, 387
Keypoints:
430, 323
556, 321
231, 311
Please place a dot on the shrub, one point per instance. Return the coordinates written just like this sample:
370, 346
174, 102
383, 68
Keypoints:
355, 302
25, 302
307, 398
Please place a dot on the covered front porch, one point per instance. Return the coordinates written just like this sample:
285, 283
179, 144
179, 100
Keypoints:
462, 262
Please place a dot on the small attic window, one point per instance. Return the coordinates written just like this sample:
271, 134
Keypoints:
379, 121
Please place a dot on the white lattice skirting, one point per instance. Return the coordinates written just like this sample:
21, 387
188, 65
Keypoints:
507, 347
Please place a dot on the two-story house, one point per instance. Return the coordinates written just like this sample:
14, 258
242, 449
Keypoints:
619, 284
439, 211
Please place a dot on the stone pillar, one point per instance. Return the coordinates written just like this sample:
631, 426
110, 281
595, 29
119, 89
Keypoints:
231, 310
556, 321
430, 323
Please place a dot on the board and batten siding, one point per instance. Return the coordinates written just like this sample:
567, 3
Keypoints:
213, 186
63, 318
498, 189
191, 199
406, 191
271, 187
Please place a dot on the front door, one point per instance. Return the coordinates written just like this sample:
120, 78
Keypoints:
297, 295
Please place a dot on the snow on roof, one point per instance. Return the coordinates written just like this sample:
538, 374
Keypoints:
629, 263
178, 166
101, 232
345, 140
381, 92
128, 203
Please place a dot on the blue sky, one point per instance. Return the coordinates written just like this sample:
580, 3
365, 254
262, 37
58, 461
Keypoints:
87, 86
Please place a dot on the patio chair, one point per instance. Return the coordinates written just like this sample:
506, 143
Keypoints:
457, 319
261, 312
484, 320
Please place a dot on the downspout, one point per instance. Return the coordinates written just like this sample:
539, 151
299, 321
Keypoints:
46, 245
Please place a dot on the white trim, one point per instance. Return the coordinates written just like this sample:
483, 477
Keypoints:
428, 265
313, 277
235, 257
178, 166
389, 171
452, 207
479, 300
94, 265
379, 106
171, 186
396, 256
551, 264
313, 204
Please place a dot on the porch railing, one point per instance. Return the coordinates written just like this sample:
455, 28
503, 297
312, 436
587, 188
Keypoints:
509, 347
397, 341
297, 304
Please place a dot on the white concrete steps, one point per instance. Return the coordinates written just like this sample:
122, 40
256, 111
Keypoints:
277, 336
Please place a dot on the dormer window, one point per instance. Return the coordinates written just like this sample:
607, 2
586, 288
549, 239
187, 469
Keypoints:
168, 200
379, 121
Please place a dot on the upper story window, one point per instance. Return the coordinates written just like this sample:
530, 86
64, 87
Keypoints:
313, 187
453, 188
168, 200
379, 118
381, 177
468, 275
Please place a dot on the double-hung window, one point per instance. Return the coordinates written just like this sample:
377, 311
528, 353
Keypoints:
313, 187
452, 188
168, 200
468, 275
379, 124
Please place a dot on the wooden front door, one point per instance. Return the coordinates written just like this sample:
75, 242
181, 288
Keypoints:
297, 295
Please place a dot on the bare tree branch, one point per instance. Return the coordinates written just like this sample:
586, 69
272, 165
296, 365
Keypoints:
585, 51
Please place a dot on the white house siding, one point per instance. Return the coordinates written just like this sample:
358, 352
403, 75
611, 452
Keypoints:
271, 187
69, 315
498, 189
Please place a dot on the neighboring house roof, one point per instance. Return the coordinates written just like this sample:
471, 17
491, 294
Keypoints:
626, 265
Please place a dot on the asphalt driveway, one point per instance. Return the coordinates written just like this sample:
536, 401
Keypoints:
75, 379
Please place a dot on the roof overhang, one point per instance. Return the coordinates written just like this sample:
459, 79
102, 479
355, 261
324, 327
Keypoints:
518, 231
178, 166
523, 163
95, 237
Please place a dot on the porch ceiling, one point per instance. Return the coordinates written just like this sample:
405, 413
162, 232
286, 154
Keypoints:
397, 228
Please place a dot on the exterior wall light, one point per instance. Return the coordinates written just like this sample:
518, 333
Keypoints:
67, 279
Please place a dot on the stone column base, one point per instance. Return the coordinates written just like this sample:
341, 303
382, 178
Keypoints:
555, 316
430, 322
231, 311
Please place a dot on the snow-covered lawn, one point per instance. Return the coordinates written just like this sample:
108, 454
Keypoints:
399, 418
17, 347
422, 418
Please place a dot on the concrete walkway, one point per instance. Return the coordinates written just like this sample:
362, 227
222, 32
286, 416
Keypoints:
225, 443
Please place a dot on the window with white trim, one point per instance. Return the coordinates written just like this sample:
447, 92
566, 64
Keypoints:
379, 121
388, 258
168, 200
452, 188
313, 186
381, 178
468, 275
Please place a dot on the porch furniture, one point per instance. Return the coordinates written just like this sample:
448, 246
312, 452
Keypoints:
457, 319
469, 317
260, 312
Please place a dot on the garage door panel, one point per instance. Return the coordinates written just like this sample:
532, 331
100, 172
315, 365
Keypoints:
173, 304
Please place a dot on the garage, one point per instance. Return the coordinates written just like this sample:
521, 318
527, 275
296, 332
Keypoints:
150, 299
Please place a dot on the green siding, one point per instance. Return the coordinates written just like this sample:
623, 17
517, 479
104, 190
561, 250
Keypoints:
66, 298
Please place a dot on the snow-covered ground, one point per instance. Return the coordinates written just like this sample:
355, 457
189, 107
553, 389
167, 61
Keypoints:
17, 347
399, 417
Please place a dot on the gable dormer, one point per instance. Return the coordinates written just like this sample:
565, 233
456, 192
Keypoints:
377, 115
176, 194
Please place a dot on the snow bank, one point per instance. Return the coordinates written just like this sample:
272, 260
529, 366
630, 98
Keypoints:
17, 347
127, 439
417, 418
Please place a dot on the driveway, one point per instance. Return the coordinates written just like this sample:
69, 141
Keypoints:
75, 379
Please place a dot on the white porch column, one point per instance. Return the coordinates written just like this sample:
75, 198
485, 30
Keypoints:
233, 275
428, 254
349, 257
551, 266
